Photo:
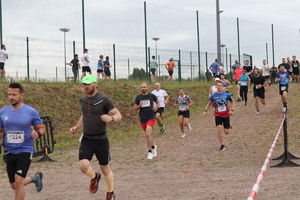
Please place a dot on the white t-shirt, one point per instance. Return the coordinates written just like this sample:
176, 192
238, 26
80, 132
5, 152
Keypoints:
2, 56
160, 94
265, 71
85, 60
214, 89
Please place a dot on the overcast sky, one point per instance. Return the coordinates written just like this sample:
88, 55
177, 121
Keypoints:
121, 22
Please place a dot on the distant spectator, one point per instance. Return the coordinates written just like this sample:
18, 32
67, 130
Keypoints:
214, 68
106, 68
75, 66
153, 66
3, 58
273, 72
85, 64
100, 68
170, 67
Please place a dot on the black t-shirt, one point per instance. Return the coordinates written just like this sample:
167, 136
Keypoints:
295, 65
247, 68
146, 111
273, 71
258, 81
106, 62
75, 62
92, 109
286, 66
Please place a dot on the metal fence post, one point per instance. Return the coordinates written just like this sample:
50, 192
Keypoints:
27, 42
179, 65
114, 54
128, 64
191, 63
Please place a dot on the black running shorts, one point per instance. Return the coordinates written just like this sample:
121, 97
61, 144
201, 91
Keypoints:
107, 71
152, 71
99, 147
2, 66
86, 69
99, 70
17, 164
225, 121
283, 88
170, 73
160, 110
259, 93
185, 114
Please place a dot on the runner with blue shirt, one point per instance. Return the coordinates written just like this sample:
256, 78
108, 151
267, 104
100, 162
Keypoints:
21, 125
222, 113
100, 68
244, 81
283, 78
214, 68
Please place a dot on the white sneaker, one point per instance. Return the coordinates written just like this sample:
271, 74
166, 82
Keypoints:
189, 127
154, 151
150, 156
183, 135
257, 112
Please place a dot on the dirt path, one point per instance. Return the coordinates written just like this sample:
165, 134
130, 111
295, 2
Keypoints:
186, 168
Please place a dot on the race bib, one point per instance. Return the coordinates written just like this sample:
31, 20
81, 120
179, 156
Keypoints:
182, 107
222, 108
257, 86
146, 103
15, 136
243, 82
283, 88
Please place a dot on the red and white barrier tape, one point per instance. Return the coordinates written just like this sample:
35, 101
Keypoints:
263, 170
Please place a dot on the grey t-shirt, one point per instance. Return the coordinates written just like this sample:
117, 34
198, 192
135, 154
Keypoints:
92, 109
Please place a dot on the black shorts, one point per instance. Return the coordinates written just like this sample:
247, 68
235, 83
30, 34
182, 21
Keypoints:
99, 70
17, 164
86, 69
152, 70
160, 110
215, 75
283, 88
2, 66
296, 72
266, 77
237, 82
225, 121
170, 73
259, 93
107, 72
185, 114
100, 147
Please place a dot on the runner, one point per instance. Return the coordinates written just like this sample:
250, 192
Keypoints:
265, 68
145, 103
21, 125
283, 78
222, 112
247, 67
97, 110
213, 88
107, 67
3, 58
225, 82
258, 88
75, 66
273, 72
214, 68
170, 67
295, 67
184, 102
100, 68
286, 65
163, 99
244, 81
85, 64
237, 73
153, 66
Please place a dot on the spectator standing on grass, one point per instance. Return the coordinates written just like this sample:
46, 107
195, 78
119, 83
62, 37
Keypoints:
184, 103
153, 66
219, 101
273, 72
170, 67
100, 68
21, 125
259, 83
107, 67
265, 68
145, 103
237, 73
283, 78
214, 68
163, 99
97, 111
3, 58
75, 66
85, 64
295, 69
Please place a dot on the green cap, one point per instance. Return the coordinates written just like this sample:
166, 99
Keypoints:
88, 79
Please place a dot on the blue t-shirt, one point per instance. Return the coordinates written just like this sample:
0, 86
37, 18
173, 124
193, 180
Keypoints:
100, 64
17, 128
214, 67
220, 102
244, 80
284, 78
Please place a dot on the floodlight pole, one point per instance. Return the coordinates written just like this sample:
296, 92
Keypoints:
65, 30
1, 39
156, 39
218, 12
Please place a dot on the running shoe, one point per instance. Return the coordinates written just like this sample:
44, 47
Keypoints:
222, 148
39, 182
150, 156
257, 112
162, 129
183, 135
110, 196
94, 183
189, 127
154, 151
238, 99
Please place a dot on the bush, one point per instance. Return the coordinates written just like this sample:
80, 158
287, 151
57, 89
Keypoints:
138, 74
